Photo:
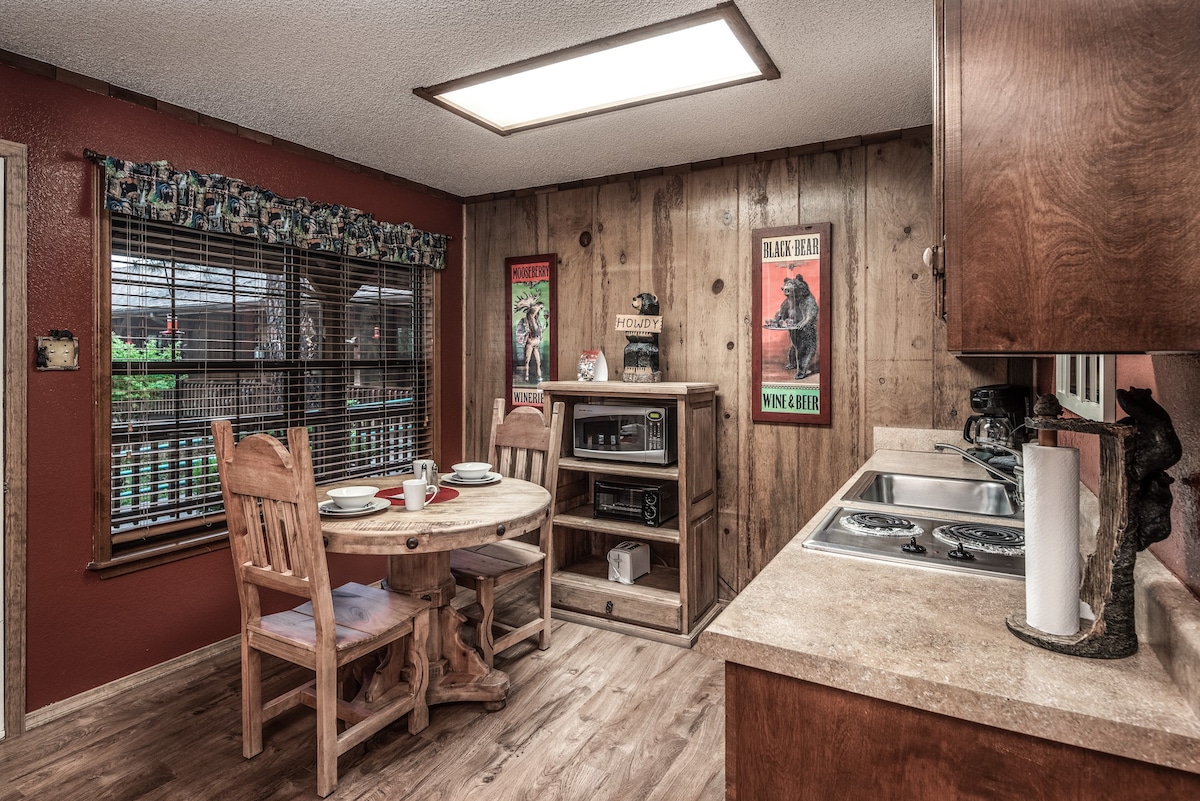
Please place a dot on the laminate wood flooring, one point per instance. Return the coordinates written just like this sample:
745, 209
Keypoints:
600, 716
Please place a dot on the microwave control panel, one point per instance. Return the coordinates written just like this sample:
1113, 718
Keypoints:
656, 431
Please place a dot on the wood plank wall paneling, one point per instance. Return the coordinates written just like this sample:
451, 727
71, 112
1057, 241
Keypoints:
494, 231
567, 215
664, 243
14, 544
719, 329
767, 456
686, 237
618, 267
899, 352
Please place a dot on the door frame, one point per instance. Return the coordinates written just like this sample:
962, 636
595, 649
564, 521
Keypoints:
15, 201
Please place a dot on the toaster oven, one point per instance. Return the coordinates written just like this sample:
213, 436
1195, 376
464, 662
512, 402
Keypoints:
651, 503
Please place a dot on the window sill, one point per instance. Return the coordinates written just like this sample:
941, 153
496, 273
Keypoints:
161, 554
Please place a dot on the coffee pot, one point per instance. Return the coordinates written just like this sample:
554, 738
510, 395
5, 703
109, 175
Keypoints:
983, 430
1000, 414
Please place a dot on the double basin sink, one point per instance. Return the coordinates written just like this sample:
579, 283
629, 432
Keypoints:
964, 495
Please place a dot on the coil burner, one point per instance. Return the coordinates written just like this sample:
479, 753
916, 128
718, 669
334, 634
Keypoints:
881, 525
1000, 540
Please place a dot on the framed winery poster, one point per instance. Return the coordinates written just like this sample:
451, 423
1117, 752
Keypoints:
791, 358
530, 349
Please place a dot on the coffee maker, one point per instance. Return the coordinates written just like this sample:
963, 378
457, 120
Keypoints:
998, 419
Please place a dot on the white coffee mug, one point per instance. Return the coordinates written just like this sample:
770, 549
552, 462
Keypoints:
417, 493
428, 470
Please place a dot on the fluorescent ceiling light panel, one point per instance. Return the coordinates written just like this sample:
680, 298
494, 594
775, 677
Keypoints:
696, 53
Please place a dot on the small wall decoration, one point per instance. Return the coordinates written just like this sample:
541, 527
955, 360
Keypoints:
530, 351
791, 299
642, 330
59, 351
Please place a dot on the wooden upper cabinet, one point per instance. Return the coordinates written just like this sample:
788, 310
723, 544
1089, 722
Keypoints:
1067, 174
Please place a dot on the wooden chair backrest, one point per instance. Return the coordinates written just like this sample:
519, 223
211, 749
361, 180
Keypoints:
271, 510
523, 445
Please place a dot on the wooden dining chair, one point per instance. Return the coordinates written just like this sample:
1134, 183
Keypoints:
522, 445
344, 635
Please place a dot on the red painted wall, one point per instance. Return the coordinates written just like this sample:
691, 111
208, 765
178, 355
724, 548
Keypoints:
83, 631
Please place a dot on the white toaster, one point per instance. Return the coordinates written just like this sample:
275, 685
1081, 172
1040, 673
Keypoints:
628, 561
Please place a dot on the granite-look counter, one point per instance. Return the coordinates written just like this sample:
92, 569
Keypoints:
936, 640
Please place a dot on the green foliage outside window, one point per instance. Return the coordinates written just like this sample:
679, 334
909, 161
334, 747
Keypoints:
141, 387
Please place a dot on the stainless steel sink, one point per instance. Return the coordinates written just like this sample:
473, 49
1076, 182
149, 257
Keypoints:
970, 496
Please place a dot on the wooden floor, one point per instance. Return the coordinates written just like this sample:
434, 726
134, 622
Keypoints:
598, 716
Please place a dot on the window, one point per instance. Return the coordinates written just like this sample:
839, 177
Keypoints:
1085, 383
208, 325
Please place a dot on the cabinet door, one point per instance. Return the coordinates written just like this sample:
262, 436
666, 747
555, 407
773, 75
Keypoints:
1071, 180
792, 740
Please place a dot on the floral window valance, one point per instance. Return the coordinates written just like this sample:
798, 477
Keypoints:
154, 190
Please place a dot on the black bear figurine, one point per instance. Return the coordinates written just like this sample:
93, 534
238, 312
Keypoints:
1158, 448
641, 354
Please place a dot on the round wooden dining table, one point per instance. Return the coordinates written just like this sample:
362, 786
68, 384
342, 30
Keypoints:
418, 546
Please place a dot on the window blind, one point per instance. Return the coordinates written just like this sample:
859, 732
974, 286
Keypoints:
208, 325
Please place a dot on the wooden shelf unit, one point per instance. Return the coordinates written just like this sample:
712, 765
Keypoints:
678, 597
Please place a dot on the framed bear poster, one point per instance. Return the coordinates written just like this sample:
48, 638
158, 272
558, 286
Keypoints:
530, 350
792, 356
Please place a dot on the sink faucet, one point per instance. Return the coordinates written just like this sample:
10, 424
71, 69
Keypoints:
1017, 479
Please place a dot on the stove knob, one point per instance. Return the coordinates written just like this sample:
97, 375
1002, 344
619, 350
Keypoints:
912, 546
961, 553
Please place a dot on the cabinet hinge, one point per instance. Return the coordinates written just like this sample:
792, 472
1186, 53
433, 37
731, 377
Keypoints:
935, 260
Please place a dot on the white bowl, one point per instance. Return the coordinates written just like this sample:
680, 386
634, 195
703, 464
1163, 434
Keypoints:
471, 470
352, 497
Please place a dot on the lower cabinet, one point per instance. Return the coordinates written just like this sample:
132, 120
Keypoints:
792, 740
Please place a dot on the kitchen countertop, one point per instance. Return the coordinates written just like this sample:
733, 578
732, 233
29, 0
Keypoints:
936, 640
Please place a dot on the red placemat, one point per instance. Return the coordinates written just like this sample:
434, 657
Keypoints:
396, 495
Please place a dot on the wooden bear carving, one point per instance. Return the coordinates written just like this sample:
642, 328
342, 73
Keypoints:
641, 354
1157, 447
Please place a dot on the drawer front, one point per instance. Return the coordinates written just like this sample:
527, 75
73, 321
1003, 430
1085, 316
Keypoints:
617, 606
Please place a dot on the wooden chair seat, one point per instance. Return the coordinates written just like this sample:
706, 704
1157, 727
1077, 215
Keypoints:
364, 616
523, 445
503, 562
365, 646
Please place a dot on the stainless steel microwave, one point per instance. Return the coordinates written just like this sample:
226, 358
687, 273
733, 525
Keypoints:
625, 433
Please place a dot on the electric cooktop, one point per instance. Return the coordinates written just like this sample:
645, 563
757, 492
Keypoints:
989, 548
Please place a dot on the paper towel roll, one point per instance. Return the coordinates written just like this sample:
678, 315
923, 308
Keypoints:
1052, 539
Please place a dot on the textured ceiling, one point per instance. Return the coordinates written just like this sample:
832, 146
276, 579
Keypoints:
337, 76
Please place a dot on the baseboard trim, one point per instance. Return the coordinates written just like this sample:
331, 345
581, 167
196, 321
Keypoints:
66, 706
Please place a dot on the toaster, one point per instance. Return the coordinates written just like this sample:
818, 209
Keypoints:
628, 561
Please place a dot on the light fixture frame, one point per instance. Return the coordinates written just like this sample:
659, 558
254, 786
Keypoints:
725, 11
